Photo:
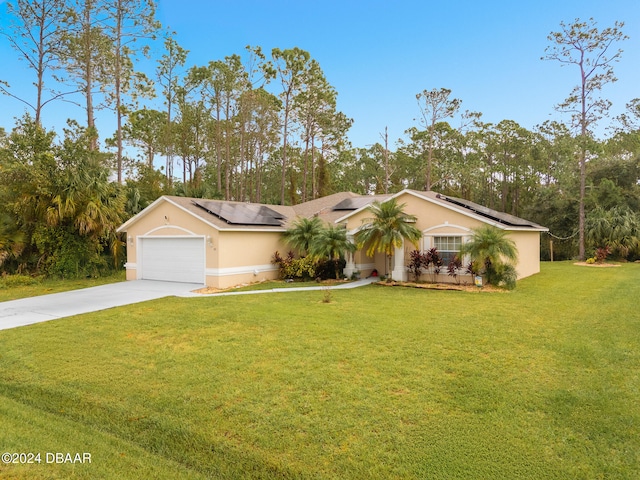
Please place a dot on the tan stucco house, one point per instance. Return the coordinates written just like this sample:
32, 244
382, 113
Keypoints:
222, 243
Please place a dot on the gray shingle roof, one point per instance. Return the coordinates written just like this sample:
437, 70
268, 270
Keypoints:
227, 215
467, 206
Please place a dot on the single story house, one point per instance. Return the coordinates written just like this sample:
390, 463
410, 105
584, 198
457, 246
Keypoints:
222, 243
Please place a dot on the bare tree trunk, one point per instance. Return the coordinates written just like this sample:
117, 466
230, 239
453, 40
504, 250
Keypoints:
227, 143
284, 155
386, 162
118, 87
40, 84
259, 174
91, 122
314, 180
581, 212
169, 164
305, 168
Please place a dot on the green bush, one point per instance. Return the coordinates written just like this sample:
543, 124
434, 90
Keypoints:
10, 281
303, 268
295, 268
591, 261
327, 269
505, 275
307, 268
65, 254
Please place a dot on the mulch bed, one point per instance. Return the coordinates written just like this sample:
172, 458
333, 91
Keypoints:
600, 265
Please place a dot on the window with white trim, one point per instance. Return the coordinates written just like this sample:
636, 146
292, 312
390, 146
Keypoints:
448, 247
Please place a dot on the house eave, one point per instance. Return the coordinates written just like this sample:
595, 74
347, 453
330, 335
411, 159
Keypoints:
156, 203
143, 213
453, 208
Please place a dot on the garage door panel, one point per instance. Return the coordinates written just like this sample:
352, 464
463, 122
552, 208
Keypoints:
175, 259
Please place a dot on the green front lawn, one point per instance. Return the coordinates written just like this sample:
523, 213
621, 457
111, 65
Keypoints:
13, 287
542, 382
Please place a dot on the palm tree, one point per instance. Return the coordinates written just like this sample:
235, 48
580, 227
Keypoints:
84, 199
332, 242
12, 240
302, 233
489, 246
387, 228
617, 228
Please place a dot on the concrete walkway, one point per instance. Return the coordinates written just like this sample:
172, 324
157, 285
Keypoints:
356, 284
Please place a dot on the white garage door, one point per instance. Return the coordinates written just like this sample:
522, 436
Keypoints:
173, 259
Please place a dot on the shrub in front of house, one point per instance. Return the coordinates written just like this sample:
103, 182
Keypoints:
505, 275
429, 261
306, 268
292, 268
454, 268
417, 262
602, 253
326, 269
433, 260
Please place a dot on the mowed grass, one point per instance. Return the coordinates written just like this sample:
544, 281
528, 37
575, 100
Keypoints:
32, 287
542, 382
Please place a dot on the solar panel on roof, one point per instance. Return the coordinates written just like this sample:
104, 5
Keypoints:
354, 203
505, 218
242, 213
346, 204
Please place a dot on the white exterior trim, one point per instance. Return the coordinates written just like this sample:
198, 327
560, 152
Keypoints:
355, 230
175, 227
453, 208
229, 271
345, 217
144, 212
427, 240
365, 266
157, 202
446, 225
268, 230
153, 206
427, 237
399, 271
483, 219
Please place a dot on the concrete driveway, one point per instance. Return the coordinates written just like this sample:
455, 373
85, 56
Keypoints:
16, 313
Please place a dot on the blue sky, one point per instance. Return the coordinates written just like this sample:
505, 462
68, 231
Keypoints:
378, 55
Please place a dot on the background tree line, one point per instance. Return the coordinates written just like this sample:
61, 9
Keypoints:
264, 127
